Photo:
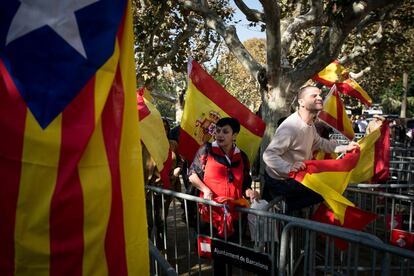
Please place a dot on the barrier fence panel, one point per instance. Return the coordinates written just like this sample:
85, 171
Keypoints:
278, 244
395, 211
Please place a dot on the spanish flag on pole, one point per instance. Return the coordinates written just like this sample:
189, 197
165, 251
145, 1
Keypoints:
374, 163
333, 113
351, 88
206, 102
333, 73
153, 136
71, 190
329, 178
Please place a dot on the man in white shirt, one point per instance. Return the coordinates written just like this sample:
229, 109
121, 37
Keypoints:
294, 141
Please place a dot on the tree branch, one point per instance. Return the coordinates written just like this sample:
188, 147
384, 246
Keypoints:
229, 35
251, 14
272, 20
333, 39
313, 17
359, 74
176, 44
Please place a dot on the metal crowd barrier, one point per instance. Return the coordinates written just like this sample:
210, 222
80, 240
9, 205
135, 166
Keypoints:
387, 205
158, 265
290, 245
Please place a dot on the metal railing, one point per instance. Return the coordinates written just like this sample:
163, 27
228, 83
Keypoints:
292, 244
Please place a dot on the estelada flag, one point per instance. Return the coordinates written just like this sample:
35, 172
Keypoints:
206, 102
351, 88
331, 74
374, 163
153, 136
71, 191
334, 114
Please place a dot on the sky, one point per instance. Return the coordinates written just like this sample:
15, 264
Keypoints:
243, 30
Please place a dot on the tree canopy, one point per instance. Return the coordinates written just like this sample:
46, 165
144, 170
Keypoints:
302, 37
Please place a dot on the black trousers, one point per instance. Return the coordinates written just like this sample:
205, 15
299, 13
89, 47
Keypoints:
297, 196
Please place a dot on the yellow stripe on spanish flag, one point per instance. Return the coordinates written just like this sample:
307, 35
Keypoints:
374, 163
332, 74
333, 113
206, 102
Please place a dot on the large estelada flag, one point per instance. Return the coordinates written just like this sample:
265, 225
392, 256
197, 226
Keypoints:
333, 113
153, 136
337, 74
71, 191
374, 163
206, 102
329, 178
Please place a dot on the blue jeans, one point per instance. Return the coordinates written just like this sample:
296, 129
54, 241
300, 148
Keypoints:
296, 195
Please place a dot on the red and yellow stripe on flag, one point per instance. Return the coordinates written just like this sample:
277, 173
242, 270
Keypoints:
374, 164
329, 178
153, 136
206, 102
333, 113
351, 88
71, 194
332, 74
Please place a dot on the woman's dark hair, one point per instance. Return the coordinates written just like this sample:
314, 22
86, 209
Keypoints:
232, 122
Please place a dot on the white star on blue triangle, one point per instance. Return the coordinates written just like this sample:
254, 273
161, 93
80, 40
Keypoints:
52, 48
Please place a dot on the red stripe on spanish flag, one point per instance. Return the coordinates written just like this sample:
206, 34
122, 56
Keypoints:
154, 137
12, 118
329, 178
351, 88
206, 102
374, 163
333, 113
355, 219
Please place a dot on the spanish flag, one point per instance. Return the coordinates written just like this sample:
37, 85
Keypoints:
374, 163
71, 190
333, 113
153, 136
333, 73
337, 74
206, 102
351, 88
329, 178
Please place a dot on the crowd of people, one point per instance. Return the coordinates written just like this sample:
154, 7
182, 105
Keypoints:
222, 170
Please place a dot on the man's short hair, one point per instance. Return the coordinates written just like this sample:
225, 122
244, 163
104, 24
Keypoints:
302, 90
232, 122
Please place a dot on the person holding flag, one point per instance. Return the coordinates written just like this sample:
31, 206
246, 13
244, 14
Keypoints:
294, 141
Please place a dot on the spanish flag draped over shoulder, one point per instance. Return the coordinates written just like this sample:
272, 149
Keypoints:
333, 113
153, 136
374, 164
71, 190
206, 102
329, 178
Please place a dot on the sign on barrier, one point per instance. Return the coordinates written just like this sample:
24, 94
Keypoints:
241, 257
